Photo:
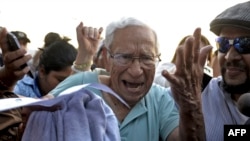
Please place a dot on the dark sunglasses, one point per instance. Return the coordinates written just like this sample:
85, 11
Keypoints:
241, 44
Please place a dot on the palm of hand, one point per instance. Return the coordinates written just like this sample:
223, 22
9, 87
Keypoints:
186, 81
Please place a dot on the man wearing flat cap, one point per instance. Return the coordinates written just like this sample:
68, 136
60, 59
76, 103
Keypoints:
220, 97
22, 38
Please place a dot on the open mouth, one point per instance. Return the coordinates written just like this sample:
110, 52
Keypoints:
133, 86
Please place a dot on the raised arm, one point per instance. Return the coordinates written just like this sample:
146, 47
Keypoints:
88, 40
10, 73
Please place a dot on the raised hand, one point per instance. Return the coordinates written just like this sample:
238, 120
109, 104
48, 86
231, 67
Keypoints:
11, 72
187, 80
186, 84
88, 39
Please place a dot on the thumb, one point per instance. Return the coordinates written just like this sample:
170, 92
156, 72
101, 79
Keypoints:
100, 32
167, 76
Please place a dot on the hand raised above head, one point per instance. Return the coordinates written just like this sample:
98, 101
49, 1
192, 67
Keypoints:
13, 60
88, 38
187, 80
186, 84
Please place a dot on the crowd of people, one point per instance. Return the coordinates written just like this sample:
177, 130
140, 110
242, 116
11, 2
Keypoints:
136, 99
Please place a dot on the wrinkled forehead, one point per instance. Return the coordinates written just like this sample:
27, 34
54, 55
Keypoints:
139, 35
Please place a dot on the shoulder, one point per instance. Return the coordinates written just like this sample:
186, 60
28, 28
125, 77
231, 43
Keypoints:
27, 87
25, 83
26, 80
213, 85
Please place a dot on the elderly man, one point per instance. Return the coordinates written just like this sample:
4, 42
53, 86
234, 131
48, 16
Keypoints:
145, 111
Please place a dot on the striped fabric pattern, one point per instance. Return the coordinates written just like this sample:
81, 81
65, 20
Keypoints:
219, 110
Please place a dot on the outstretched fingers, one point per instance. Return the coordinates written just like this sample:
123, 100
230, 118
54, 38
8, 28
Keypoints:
204, 52
92, 33
196, 45
180, 60
100, 30
188, 55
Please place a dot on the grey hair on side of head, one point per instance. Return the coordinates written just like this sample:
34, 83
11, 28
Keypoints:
122, 23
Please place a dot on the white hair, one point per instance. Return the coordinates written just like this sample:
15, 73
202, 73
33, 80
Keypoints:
122, 23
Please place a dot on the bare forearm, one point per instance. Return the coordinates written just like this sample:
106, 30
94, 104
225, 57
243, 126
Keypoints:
83, 61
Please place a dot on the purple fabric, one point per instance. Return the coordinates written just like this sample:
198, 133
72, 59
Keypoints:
80, 116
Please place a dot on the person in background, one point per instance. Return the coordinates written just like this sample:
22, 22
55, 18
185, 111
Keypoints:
204, 42
54, 66
11, 120
98, 61
145, 111
170, 66
220, 96
10, 72
49, 38
233, 30
22, 38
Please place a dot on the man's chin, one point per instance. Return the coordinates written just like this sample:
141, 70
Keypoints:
237, 89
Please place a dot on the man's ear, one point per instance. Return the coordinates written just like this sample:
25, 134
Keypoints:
41, 71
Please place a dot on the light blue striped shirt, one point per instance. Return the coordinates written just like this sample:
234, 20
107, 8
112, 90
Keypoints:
219, 109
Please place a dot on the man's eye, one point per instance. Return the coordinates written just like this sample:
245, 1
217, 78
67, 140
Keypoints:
147, 58
125, 56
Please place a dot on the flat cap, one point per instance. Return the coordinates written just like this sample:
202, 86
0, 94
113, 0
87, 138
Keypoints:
237, 16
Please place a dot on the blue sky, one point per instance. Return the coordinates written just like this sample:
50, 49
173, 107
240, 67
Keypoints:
171, 19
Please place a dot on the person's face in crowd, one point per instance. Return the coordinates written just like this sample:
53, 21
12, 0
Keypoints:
49, 81
23, 44
99, 61
132, 78
234, 65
